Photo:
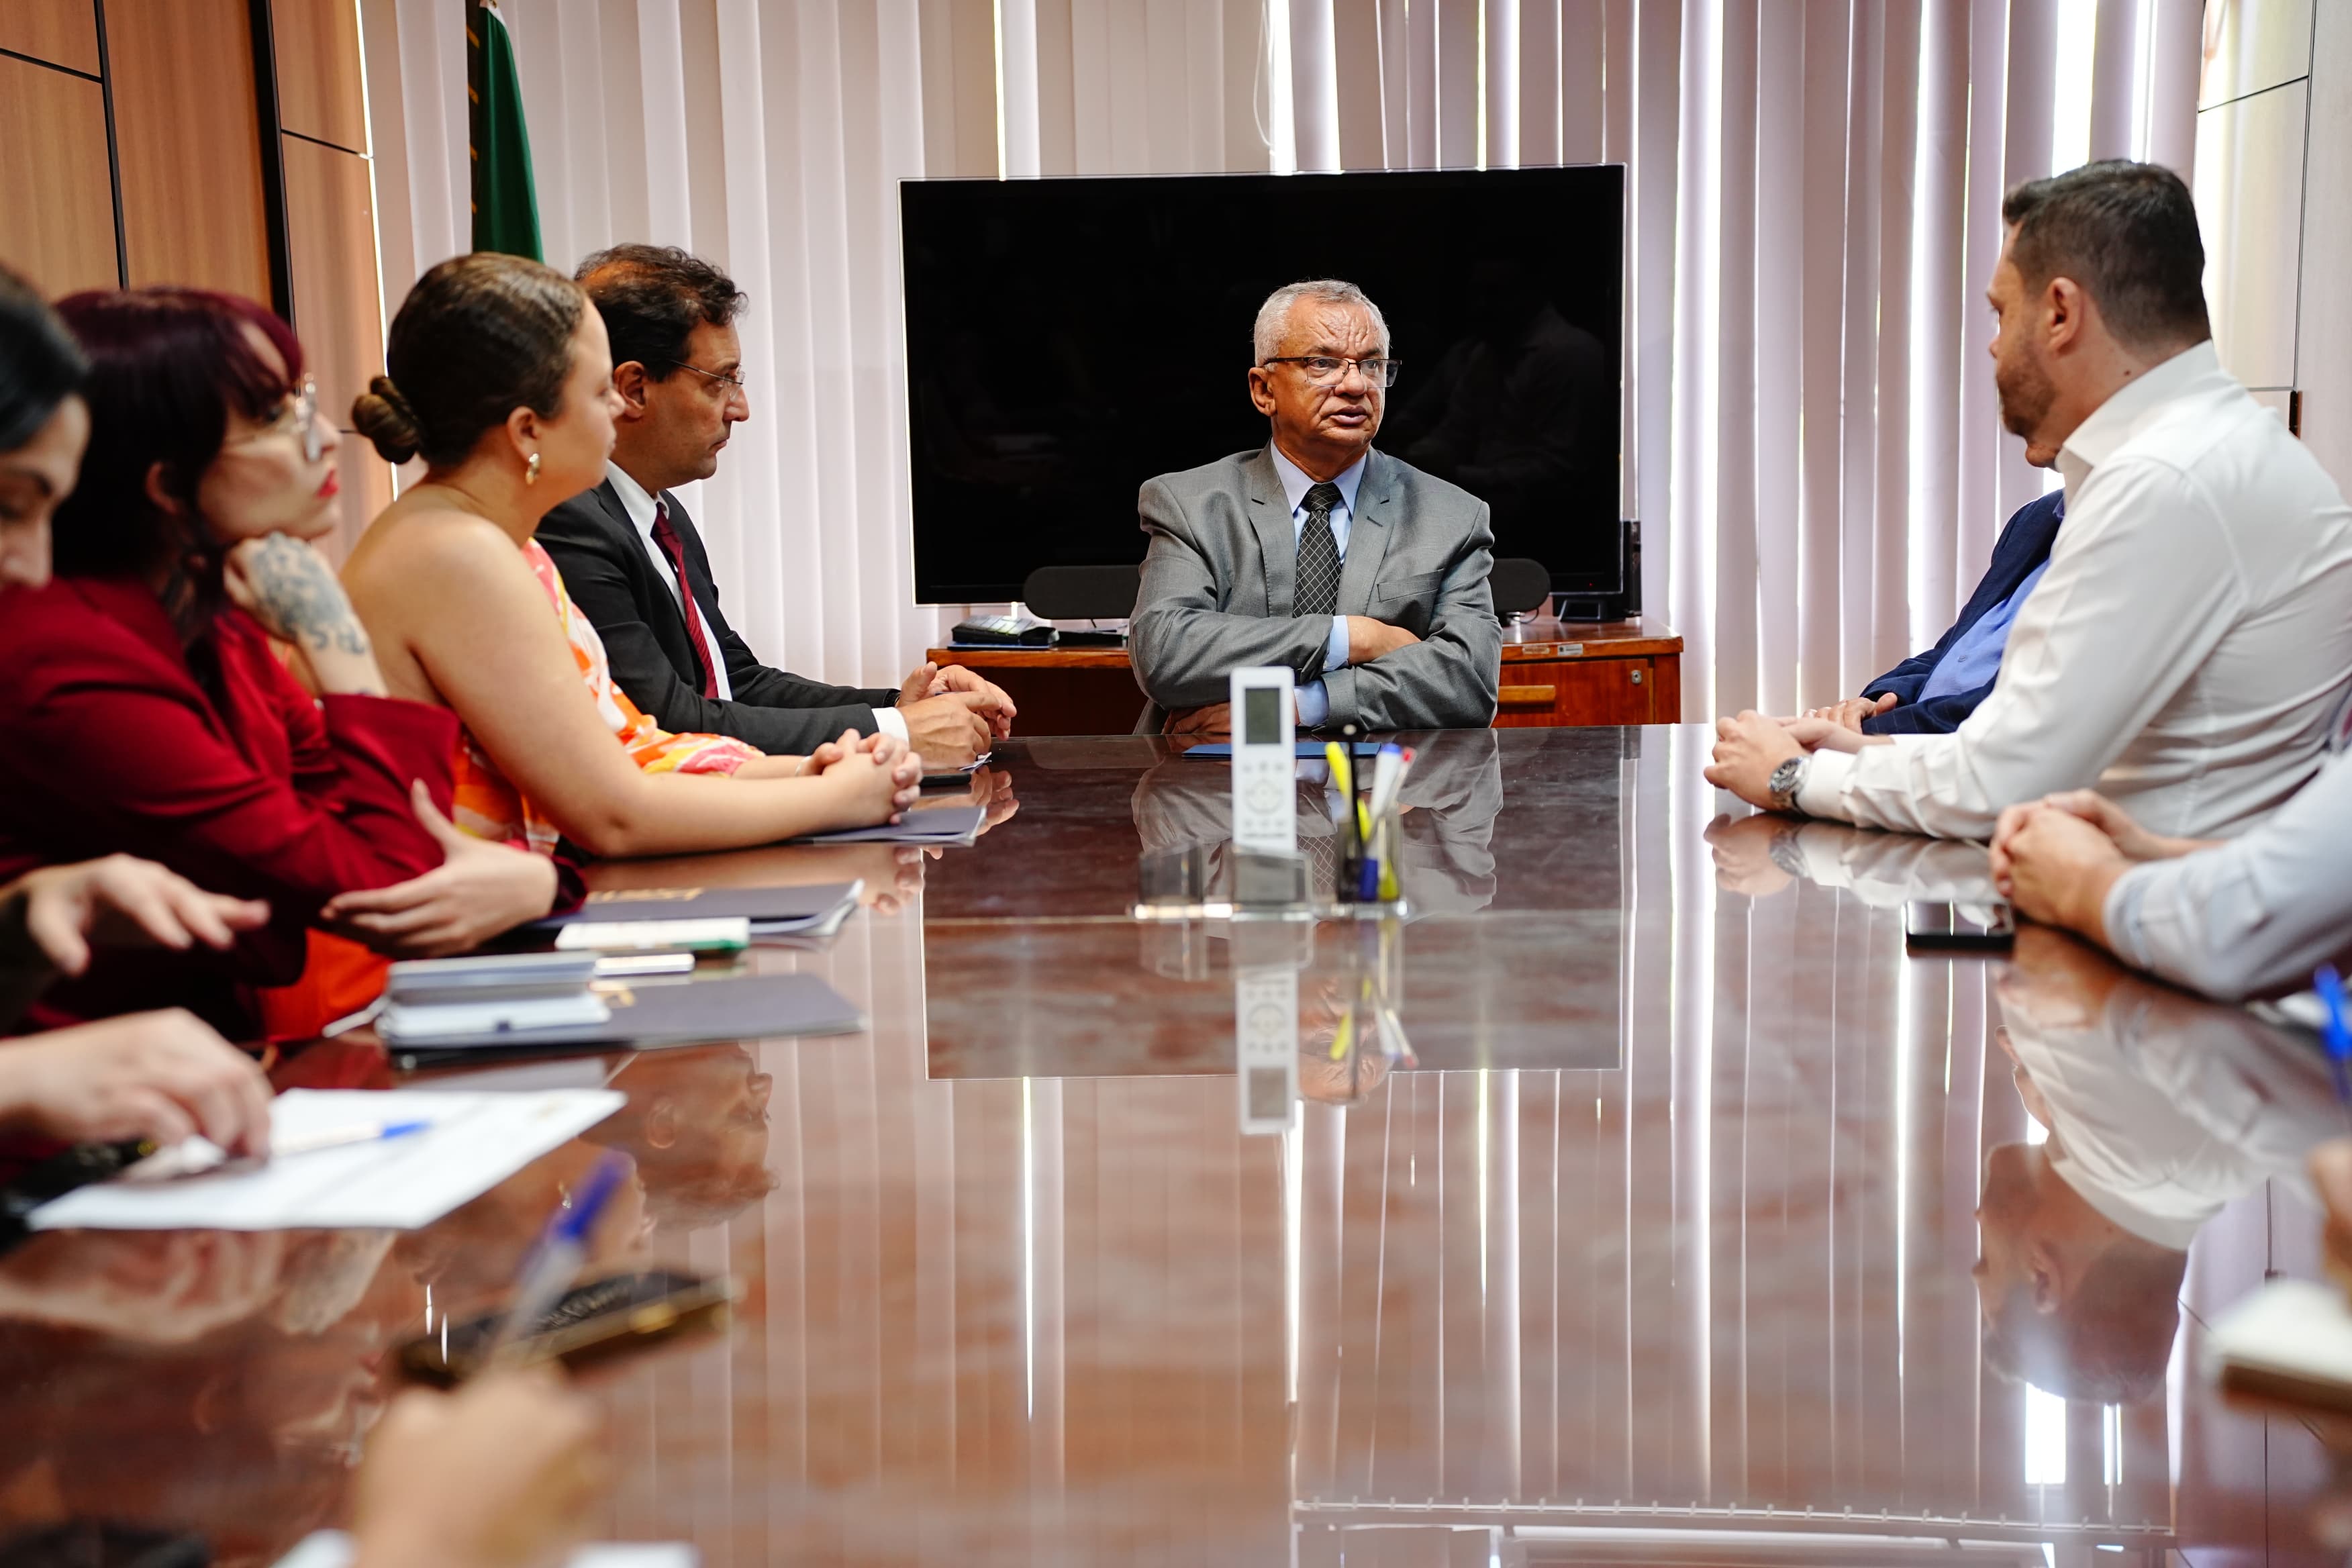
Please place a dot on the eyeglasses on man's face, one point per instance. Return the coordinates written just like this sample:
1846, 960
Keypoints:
1322, 369
733, 382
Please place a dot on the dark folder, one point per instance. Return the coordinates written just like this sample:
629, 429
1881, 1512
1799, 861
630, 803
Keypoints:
1305, 751
675, 1012
770, 910
932, 826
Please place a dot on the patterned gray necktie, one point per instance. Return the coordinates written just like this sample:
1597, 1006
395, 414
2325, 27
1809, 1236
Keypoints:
1318, 555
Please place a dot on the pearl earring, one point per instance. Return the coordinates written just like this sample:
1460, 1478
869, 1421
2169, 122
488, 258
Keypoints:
531, 471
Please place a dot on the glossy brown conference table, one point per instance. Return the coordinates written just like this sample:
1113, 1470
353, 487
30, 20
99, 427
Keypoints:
1659, 1250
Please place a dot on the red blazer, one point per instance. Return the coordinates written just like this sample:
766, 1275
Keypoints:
242, 783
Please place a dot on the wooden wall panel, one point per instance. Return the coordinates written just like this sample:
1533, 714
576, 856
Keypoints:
189, 135
53, 178
62, 32
336, 307
320, 87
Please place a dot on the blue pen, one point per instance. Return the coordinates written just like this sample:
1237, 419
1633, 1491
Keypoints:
338, 1137
2338, 1033
201, 1157
555, 1262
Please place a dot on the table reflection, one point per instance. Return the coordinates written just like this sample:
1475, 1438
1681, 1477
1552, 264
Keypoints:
1449, 803
1756, 1241
1491, 970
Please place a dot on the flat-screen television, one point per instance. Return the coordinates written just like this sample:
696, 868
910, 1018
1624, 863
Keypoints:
1066, 340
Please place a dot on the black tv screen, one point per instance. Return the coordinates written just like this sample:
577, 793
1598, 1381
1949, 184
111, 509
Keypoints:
1066, 340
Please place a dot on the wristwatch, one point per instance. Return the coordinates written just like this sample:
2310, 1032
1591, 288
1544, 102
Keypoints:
1788, 854
1786, 781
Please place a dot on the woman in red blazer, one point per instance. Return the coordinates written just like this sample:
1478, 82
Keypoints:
150, 713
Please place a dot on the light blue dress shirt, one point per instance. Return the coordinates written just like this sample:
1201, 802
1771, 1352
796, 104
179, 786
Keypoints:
1975, 659
2257, 913
1314, 702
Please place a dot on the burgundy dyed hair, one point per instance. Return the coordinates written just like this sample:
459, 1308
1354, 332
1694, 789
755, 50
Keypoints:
167, 366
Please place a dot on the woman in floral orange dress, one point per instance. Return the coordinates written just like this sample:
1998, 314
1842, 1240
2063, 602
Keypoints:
500, 376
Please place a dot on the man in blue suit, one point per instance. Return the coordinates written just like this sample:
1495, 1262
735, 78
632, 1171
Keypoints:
1931, 693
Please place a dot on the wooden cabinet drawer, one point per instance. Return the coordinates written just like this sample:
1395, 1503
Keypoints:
1576, 691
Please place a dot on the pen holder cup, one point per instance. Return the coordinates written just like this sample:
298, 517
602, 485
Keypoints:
1387, 891
1178, 876
1263, 882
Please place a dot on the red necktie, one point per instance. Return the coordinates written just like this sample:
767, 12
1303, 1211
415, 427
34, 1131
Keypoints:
667, 537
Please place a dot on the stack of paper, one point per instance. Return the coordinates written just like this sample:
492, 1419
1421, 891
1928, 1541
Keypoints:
666, 1013
519, 993
474, 1142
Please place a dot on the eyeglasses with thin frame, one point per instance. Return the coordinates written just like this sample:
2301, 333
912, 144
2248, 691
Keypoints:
1323, 369
302, 410
732, 383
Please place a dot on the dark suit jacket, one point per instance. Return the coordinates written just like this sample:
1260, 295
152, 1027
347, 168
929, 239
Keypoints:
610, 577
2024, 544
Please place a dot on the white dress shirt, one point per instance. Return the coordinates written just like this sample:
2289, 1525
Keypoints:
2185, 649
1314, 702
2259, 913
640, 505
2165, 1110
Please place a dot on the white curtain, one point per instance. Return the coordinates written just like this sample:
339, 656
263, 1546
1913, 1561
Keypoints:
770, 138
1810, 438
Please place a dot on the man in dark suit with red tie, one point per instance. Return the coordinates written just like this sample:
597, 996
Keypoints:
635, 564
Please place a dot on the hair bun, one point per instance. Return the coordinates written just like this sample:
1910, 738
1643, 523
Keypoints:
382, 415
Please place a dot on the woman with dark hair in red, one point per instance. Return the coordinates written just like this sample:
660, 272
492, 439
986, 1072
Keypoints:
150, 712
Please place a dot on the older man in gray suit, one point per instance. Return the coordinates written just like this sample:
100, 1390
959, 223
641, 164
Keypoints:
1360, 573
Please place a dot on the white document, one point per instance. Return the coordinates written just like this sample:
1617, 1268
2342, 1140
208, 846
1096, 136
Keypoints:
475, 1141
333, 1549
613, 935
2290, 1340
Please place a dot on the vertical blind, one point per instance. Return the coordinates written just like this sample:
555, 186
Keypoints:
1811, 437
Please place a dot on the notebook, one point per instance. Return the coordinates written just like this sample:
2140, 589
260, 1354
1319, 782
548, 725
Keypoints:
333, 1549
663, 1012
2291, 1339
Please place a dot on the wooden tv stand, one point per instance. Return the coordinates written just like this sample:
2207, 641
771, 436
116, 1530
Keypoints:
1555, 673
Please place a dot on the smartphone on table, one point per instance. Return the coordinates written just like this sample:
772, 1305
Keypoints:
1958, 928
591, 1323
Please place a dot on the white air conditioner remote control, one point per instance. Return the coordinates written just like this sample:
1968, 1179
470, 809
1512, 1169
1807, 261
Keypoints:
1264, 718
1265, 1032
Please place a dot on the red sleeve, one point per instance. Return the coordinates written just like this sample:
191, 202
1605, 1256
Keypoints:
327, 736
118, 747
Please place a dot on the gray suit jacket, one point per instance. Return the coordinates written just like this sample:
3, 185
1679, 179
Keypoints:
1221, 572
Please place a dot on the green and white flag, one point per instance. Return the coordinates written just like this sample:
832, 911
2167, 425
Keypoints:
505, 209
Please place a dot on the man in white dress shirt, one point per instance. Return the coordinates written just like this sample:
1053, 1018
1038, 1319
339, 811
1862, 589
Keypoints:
2192, 637
2161, 1111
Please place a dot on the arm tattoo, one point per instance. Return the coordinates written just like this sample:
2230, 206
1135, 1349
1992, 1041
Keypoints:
294, 584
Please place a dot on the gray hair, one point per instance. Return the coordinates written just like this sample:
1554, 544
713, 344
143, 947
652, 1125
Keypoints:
1274, 314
